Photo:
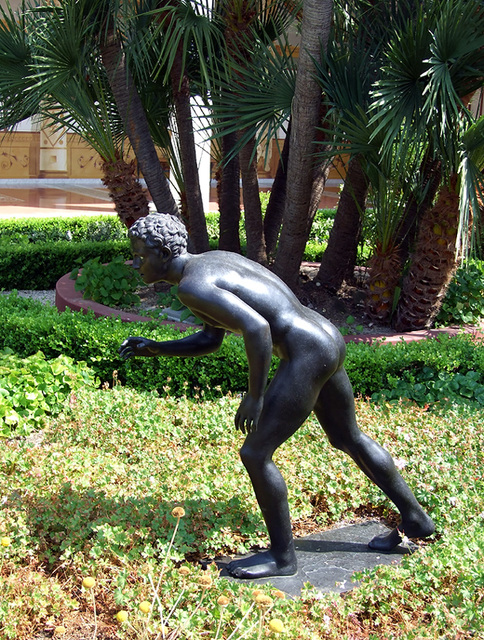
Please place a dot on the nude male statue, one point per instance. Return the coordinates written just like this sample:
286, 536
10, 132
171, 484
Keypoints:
231, 293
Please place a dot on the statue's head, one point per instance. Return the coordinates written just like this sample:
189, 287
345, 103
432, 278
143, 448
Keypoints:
161, 231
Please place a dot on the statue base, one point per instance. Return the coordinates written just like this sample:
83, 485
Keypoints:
327, 560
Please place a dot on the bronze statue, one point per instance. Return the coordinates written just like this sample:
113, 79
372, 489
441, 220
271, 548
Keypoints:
228, 292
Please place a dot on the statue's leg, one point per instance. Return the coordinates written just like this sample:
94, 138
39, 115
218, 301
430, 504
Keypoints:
286, 406
335, 411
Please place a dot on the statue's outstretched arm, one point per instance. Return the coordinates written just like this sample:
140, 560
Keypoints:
198, 344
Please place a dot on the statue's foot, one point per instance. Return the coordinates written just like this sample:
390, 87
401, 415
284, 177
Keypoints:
263, 565
420, 528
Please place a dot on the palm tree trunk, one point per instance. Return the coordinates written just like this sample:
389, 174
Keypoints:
432, 174
305, 118
432, 265
125, 190
197, 226
339, 258
254, 228
137, 129
277, 199
384, 269
228, 177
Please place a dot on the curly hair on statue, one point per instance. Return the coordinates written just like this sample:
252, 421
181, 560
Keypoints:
161, 229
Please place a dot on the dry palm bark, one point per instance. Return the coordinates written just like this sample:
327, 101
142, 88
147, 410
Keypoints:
384, 270
433, 263
125, 190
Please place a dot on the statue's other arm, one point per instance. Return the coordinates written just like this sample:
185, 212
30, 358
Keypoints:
225, 309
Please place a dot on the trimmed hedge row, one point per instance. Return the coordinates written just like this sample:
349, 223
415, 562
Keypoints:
36, 252
40, 265
27, 326
73, 229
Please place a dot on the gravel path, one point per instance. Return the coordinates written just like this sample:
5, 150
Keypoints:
46, 296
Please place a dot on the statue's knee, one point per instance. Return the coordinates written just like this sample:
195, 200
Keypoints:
251, 457
338, 443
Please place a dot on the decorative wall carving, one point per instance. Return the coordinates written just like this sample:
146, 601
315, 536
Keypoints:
19, 154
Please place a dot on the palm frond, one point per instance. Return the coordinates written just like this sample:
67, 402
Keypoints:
17, 103
189, 26
258, 99
64, 38
397, 97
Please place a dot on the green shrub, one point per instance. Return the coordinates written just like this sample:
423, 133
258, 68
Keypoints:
27, 326
464, 300
32, 387
113, 284
425, 371
76, 229
40, 265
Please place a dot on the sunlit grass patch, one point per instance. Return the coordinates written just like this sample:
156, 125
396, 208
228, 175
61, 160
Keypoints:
103, 493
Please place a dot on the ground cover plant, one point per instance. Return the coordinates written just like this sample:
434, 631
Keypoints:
90, 507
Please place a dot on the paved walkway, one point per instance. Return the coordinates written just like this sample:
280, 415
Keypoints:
49, 198
53, 197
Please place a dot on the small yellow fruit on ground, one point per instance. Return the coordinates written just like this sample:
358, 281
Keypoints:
60, 631
145, 606
122, 616
276, 626
223, 601
88, 582
5, 541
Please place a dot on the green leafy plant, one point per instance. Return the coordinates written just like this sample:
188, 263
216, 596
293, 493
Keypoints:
351, 328
104, 495
32, 388
171, 300
464, 300
432, 386
113, 284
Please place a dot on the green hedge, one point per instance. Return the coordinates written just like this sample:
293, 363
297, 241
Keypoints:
40, 265
36, 252
76, 229
375, 367
27, 326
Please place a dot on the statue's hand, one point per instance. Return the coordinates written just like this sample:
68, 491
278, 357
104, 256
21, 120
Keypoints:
137, 347
248, 413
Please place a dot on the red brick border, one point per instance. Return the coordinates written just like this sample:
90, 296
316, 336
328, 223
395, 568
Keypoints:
67, 297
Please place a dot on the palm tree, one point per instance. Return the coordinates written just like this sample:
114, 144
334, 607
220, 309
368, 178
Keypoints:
258, 102
346, 74
56, 74
113, 40
242, 102
405, 124
447, 49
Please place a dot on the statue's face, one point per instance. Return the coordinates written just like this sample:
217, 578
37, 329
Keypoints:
150, 262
